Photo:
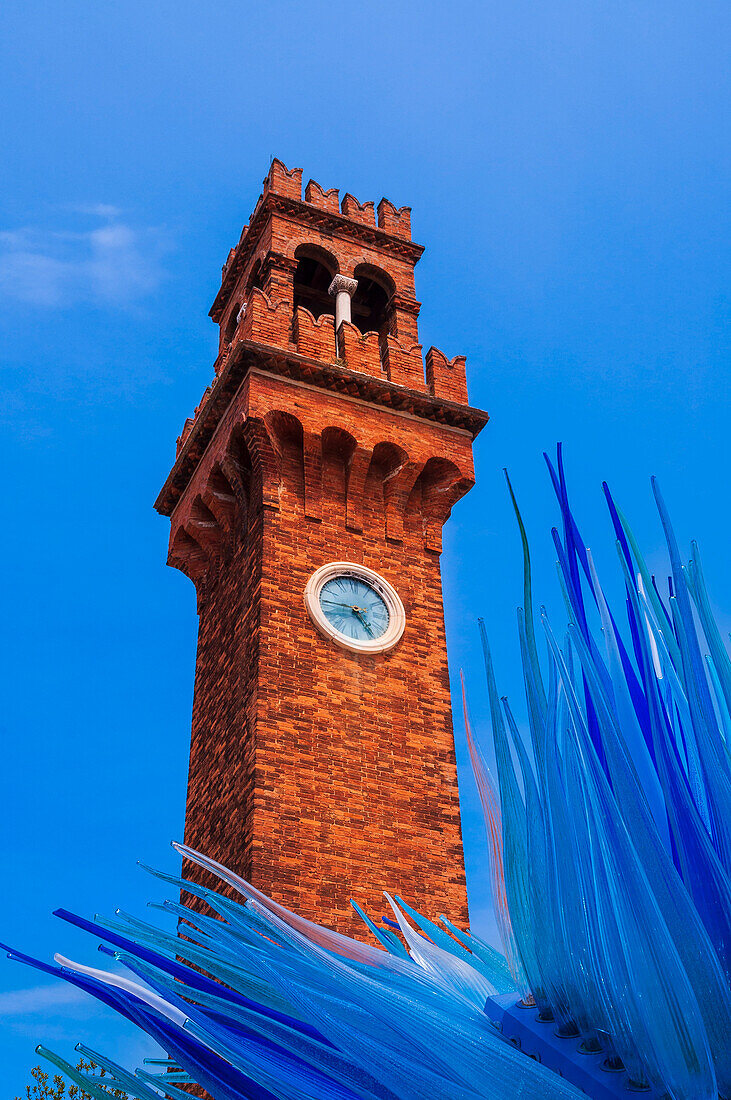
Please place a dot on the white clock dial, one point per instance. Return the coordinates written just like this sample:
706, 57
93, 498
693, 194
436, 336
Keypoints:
355, 607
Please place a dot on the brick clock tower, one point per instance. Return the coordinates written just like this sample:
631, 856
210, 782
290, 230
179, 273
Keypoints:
306, 503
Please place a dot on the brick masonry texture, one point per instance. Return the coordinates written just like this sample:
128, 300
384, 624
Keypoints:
318, 773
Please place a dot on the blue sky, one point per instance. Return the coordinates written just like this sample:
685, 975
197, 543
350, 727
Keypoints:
567, 165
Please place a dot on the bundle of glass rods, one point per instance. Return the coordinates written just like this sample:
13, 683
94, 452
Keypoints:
609, 859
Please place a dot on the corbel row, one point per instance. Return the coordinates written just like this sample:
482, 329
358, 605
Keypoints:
215, 511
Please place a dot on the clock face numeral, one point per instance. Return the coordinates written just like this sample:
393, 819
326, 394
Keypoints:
355, 607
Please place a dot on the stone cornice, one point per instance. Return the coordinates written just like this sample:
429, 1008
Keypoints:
306, 214
246, 356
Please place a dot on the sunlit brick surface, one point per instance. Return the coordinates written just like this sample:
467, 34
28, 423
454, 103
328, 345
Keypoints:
318, 773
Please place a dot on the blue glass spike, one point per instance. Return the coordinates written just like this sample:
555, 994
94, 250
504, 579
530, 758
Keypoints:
89, 1087
182, 972
721, 659
120, 1077
531, 647
168, 1083
696, 672
219, 1078
383, 936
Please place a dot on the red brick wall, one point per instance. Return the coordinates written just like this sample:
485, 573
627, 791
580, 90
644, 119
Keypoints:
221, 779
318, 773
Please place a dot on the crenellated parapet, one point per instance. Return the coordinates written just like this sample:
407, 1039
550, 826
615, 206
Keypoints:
394, 221
281, 180
403, 363
360, 351
363, 212
287, 182
446, 378
265, 321
325, 200
314, 338
384, 358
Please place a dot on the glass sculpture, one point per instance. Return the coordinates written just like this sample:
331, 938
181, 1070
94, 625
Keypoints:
609, 859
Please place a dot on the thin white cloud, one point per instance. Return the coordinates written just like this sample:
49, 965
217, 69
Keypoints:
33, 277
40, 999
114, 264
122, 263
97, 209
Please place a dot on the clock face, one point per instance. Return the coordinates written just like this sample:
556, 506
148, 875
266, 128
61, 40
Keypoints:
355, 607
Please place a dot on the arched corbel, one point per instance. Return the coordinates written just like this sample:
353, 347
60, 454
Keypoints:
219, 499
236, 467
443, 484
265, 459
341, 448
203, 526
186, 554
238, 482
312, 462
397, 488
356, 474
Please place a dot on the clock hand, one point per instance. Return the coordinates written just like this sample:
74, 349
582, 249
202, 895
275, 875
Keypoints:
350, 606
360, 612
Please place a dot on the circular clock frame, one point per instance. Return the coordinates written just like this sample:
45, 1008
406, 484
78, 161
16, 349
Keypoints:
396, 613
